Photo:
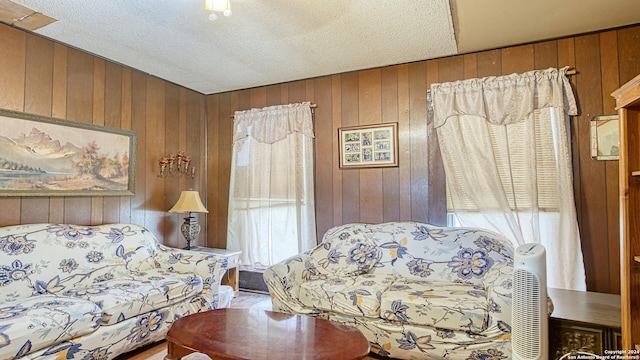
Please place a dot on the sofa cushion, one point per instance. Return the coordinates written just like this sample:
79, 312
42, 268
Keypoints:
30, 324
441, 304
355, 295
126, 297
346, 252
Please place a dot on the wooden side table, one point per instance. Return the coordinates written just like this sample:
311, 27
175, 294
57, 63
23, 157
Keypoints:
583, 321
231, 277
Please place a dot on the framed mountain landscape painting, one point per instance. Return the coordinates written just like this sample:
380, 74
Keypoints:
41, 156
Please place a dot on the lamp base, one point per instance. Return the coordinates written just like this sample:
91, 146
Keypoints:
190, 230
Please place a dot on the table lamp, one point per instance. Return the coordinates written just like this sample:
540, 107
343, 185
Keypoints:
189, 202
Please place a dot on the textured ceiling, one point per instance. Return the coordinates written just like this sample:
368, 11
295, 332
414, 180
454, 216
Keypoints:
272, 41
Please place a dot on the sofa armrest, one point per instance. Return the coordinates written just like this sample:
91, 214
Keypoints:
499, 287
210, 267
284, 280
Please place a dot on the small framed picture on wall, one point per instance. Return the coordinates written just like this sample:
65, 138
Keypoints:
368, 146
605, 138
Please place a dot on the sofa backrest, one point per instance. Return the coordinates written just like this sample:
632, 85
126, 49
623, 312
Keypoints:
418, 250
50, 258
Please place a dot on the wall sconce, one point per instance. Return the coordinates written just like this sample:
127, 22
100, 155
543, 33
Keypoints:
178, 164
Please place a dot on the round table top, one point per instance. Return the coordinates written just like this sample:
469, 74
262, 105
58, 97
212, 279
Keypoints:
260, 334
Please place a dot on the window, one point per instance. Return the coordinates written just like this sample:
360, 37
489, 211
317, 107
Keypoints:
507, 158
271, 198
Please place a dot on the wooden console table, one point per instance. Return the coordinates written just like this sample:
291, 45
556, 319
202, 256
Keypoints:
584, 321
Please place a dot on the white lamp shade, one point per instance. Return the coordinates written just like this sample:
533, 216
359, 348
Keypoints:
189, 201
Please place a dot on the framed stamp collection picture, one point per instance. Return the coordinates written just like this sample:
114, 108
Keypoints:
368, 146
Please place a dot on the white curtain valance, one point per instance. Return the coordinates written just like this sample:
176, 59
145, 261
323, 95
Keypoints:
274, 123
503, 100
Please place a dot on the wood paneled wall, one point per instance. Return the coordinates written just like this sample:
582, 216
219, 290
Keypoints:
415, 189
46, 78
393, 94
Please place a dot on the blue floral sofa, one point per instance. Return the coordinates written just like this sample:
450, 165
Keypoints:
94, 292
414, 290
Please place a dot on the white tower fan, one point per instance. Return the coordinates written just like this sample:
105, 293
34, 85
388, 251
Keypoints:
530, 323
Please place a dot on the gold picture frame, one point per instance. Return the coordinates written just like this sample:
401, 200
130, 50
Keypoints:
43, 156
605, 138
368, 146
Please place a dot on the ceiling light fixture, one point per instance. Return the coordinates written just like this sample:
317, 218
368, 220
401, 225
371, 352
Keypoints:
218, 6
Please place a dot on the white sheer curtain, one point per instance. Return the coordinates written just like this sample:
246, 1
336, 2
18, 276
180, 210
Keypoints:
507, 157
271, 196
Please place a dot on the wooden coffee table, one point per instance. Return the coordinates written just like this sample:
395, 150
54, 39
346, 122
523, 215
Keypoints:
259, 334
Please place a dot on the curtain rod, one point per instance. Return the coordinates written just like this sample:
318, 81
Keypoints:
569, 73
312, 106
